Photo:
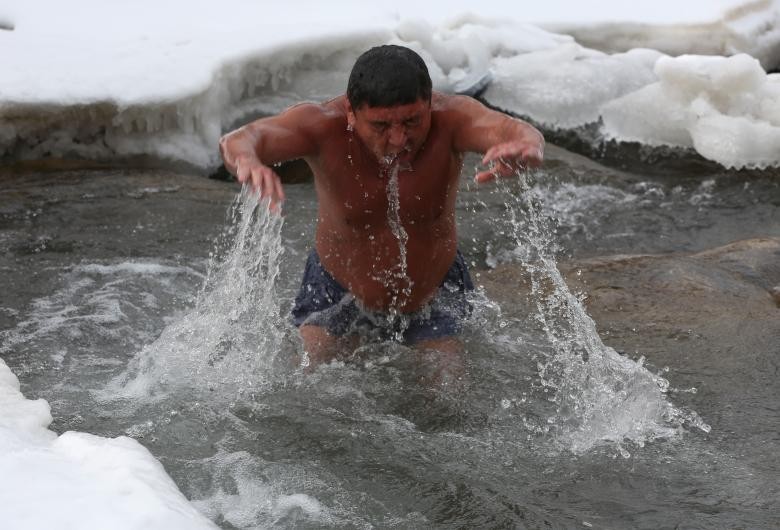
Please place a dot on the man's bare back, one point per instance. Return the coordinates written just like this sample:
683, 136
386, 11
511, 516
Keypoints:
389, 248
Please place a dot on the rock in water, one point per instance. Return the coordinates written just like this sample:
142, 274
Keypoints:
775, 292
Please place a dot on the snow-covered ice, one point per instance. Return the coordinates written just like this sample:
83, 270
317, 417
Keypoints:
110, 80
79, 480
728, 109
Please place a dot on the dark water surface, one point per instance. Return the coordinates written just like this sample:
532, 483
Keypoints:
104, 315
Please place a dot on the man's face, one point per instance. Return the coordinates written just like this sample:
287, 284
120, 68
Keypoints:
392, 133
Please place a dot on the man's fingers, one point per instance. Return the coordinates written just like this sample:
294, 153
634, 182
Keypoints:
265, 182
257, 181
279, 189
243, 173
534, 157
484, 176
499, 170
491, 155
497, 152
522, 155
270, 187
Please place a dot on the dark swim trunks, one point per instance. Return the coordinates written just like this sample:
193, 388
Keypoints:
322, 301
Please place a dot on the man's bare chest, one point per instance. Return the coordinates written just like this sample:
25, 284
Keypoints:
364, 194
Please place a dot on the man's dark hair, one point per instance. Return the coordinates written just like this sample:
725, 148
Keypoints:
388, 75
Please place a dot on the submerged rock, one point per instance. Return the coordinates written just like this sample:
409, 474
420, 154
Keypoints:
706, 317
775, 292
719, 284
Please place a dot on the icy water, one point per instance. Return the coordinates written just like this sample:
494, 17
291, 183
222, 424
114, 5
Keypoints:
154, 305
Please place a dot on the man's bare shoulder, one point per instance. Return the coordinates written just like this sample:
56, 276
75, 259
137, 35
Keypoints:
454, 103
455, 110
317, 115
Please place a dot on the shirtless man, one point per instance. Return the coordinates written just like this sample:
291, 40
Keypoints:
380, 264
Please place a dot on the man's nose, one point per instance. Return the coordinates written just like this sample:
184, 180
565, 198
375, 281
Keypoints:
397, 137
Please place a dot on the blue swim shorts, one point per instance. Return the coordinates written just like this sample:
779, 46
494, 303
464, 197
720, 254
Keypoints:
323, 302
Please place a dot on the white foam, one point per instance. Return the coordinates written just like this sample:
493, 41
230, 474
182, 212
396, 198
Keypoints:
252, 493
99, 301
78, 480
135, 268
571, 205
287, 504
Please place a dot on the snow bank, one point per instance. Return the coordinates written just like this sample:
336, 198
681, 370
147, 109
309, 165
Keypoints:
104, 80
571, 94
107, 80
79, 480
186, 127
728, 109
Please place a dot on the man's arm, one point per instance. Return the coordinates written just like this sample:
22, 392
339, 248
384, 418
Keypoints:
249, 151
508, 143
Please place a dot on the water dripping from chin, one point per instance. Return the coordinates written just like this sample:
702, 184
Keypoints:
399, 160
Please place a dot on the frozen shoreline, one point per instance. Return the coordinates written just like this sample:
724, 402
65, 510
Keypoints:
154, 85
79, 480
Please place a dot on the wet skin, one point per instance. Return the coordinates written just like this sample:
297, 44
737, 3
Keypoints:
348, 151
354, 239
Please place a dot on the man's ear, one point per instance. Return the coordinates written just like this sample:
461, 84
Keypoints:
350, 117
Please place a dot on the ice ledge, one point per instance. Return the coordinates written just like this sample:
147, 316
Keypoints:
79, 480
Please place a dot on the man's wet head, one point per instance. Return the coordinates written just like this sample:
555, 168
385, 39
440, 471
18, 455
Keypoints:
389, 94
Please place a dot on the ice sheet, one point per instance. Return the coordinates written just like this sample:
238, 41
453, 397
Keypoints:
108, 80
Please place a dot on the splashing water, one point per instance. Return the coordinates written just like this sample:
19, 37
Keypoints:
227, 344
398, 277
599, 394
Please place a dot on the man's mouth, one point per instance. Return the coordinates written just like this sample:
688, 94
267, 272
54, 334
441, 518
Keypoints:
403, 156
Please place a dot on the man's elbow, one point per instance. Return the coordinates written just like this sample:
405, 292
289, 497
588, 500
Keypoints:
534, 135
540, 137
223, 141
224, 152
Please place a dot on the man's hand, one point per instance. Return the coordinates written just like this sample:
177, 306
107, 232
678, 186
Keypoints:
263, 180
505, 159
